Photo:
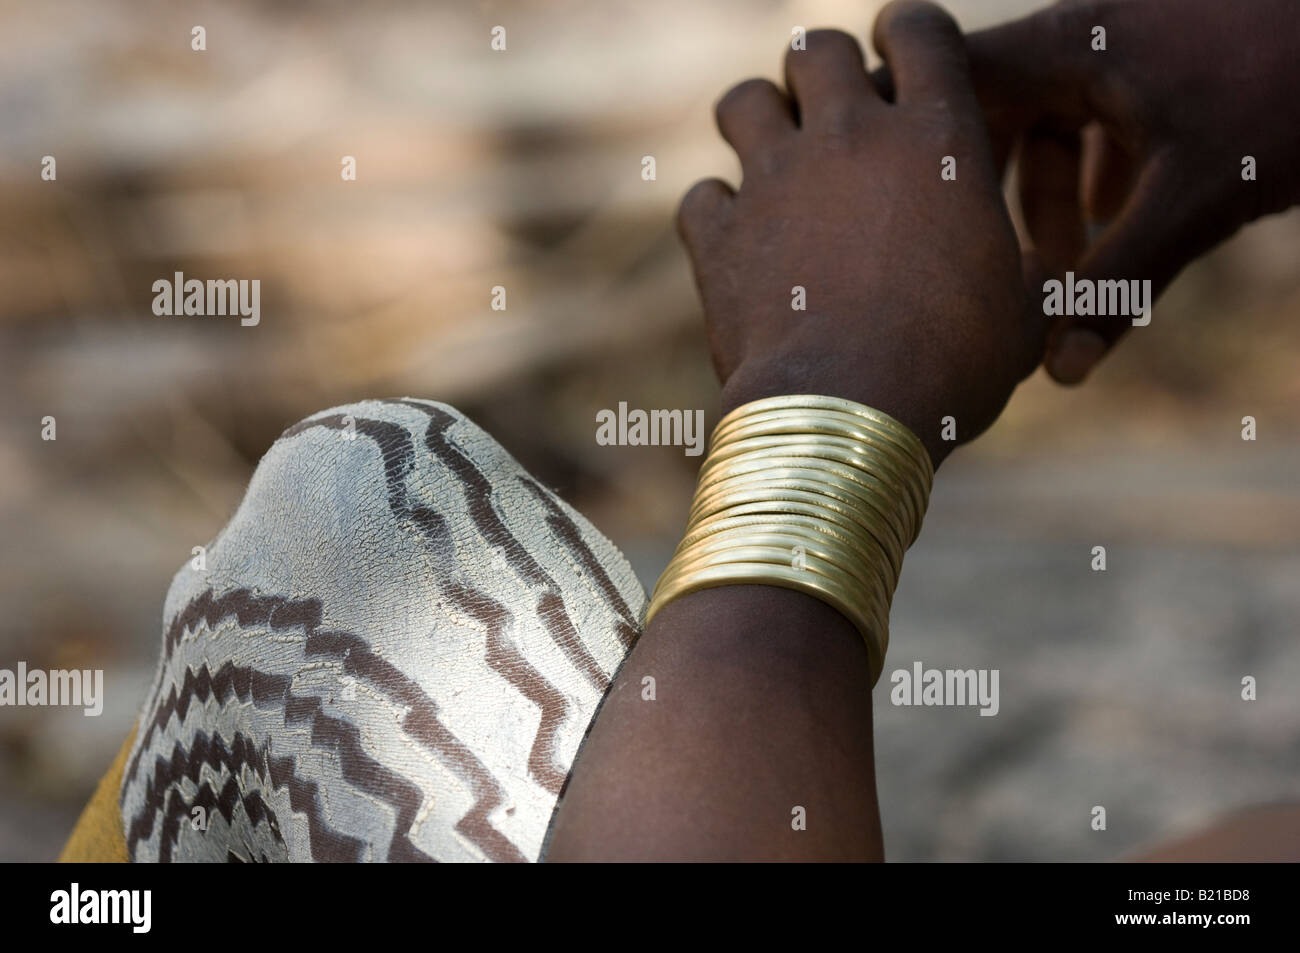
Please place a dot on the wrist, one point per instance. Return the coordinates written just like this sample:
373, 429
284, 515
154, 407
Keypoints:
751, 382
813, 493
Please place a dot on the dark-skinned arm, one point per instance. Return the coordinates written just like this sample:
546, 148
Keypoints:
915, 306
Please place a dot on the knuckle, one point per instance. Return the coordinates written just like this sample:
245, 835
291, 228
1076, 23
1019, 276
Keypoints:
694, 196
769, 162
834, 45
831, 39
742, 95
918, 17
698, 206
943, 126
840, 120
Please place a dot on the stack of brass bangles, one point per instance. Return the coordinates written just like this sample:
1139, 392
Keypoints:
817, 494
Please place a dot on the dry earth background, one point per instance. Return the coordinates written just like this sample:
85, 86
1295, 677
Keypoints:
523, 169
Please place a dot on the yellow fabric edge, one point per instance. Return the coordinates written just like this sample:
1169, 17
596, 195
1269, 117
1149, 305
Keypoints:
98, 838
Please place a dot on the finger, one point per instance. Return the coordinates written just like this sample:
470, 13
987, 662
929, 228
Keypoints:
754, 115
1108, 174
1146, 243
925, 52
1048, 184
704, 214
1047, 172
1031, 69
1039, 63
828, 78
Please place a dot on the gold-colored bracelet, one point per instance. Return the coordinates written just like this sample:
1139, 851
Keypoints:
816, 494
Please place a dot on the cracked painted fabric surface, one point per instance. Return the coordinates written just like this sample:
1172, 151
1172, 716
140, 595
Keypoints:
393, 652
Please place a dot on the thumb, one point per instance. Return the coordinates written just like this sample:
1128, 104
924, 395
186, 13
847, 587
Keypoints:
1128, 267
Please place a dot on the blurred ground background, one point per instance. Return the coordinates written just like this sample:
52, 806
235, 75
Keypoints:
522, 169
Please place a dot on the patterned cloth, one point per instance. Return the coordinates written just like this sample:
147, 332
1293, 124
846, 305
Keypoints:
392, 652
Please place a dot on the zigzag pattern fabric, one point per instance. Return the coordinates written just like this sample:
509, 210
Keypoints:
393, 653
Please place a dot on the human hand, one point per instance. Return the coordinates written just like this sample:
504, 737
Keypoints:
915, 303
1149, 135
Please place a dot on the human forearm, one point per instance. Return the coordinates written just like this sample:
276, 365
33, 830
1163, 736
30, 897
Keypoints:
762, 711
761, 707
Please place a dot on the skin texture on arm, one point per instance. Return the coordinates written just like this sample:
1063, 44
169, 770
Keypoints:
915, 306
761, 706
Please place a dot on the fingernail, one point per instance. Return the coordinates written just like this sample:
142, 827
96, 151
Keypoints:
1075, 354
